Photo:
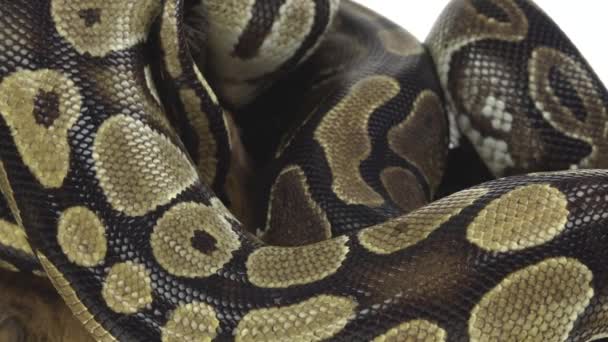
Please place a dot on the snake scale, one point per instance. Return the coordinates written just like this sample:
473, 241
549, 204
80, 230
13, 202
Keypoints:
127, 128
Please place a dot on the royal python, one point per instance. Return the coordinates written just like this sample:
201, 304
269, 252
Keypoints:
121, 121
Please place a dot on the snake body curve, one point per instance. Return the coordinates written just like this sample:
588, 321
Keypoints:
113, 146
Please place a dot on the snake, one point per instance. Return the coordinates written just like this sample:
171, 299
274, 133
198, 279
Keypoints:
273, 170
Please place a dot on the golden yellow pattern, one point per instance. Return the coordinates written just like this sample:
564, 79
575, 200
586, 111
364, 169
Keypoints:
239, 79
400, 42
127, 288
203, 81
315, 319
122, 84
138, 168
5, 265
207, 147
38, 273
346, 123
193, 240
401, 233
13, 236
280, 267
70, 297
467, 25
474, 24
598, 337
9, 196
594, 128
91, 25
228, 20
41, 134
150, 84
191, 322
418, 330
82, 236
522, 218
538, 303
170, 40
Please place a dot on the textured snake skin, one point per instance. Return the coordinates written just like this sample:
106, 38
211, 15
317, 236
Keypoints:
128, 128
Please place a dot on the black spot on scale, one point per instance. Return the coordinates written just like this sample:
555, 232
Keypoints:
46, 108
91, 16
204, 242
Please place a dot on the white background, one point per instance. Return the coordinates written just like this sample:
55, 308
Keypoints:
584, 21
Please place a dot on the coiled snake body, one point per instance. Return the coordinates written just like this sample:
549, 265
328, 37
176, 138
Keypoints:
114, 144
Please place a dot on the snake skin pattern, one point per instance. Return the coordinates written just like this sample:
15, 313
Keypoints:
123, 129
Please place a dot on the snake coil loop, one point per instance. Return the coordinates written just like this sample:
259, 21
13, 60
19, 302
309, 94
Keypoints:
144, 144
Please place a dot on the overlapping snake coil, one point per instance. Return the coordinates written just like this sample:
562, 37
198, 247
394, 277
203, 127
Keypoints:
128, 127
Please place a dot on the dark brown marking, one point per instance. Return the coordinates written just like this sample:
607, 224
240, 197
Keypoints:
263, 17
91, 16
204, 242
294, 218
403, 188
46, 108
411, 141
